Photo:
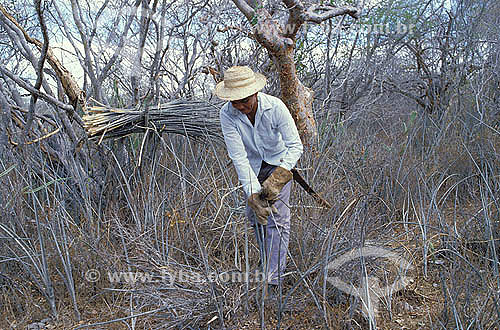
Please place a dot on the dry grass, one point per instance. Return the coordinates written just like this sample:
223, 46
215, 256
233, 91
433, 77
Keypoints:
427, 194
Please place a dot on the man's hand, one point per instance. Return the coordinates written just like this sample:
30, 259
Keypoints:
261, 207
274, 183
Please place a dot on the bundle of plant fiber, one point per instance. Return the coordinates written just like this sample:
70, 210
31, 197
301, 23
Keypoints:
195, 119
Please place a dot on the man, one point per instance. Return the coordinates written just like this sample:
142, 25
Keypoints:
264, 145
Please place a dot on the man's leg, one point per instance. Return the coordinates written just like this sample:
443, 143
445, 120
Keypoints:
274, 237
277, 236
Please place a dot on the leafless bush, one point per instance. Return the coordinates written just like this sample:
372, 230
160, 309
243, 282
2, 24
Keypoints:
407, 154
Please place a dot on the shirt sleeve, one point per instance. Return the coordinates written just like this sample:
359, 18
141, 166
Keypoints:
290, 136
237, 153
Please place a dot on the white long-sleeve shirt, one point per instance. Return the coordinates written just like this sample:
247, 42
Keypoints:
274, 139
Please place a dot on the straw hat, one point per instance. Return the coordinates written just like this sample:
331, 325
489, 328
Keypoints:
239, 82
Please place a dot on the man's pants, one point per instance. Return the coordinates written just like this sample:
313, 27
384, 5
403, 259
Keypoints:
276, 234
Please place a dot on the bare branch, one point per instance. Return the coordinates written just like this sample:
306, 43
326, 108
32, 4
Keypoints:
12, 92
41, 62
395, 88
96, 19
190, 17
75, 94
75, 7
18, 39
32, 90
318, 14
5, 113
248, 11
121, 42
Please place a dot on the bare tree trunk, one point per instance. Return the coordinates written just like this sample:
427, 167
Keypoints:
280, 43
297, 97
